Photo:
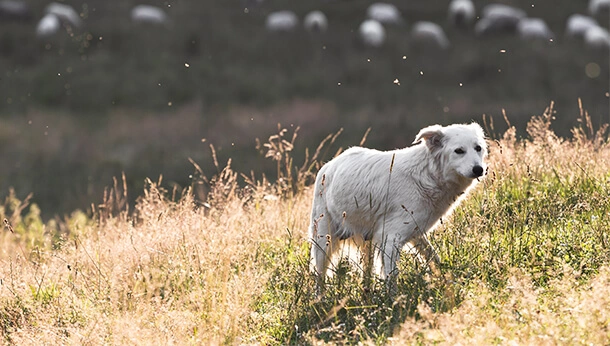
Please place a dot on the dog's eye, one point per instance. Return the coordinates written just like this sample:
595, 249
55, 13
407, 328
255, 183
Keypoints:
459, 151
477, 148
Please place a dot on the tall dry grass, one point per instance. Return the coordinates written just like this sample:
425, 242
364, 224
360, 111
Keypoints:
175, 274
528, 254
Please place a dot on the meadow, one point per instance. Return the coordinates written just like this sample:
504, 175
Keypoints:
525, 259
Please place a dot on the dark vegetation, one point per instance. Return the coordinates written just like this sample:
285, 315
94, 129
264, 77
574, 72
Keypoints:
76, 110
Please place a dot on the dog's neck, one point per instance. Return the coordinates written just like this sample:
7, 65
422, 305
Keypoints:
451, 189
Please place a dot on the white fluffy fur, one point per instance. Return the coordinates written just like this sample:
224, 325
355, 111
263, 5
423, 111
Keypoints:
394, 197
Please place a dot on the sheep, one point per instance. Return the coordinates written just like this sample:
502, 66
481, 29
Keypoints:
14, 10
148, 14
534, 28
599, 7
65, 13
372, 33
461, 13
48, 26
597, 38
578, 24
498, 19
500, 10
315, 21
429, 34
384, 13
281, 21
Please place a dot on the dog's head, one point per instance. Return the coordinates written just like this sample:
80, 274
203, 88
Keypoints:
459, 148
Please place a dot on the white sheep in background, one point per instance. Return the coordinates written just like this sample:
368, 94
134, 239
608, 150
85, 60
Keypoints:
497, 19
14, 10
372, 33
533, 29
599, 7
384, 13
48, 26
281, 21
500, 11
315, 21
65, 13
461, 13
429, 34
148, 14
578, 25
597, 38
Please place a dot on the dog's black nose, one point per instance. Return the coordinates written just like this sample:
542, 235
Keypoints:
477, 171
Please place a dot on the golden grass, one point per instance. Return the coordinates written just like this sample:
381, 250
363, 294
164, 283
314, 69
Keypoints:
573, 314
178, 273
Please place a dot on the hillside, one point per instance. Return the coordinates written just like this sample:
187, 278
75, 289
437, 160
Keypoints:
232, 59
78, 110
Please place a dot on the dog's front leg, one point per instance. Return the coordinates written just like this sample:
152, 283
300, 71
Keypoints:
427, 253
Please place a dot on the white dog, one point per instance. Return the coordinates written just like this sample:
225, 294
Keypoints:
394, 197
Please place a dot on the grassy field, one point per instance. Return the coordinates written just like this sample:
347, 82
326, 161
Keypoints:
525, 260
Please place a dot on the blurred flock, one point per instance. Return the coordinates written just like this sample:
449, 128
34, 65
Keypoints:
91, 89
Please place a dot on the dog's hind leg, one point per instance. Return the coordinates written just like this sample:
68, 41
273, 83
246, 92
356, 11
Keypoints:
322, 244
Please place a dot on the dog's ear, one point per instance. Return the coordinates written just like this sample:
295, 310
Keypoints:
433, 135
